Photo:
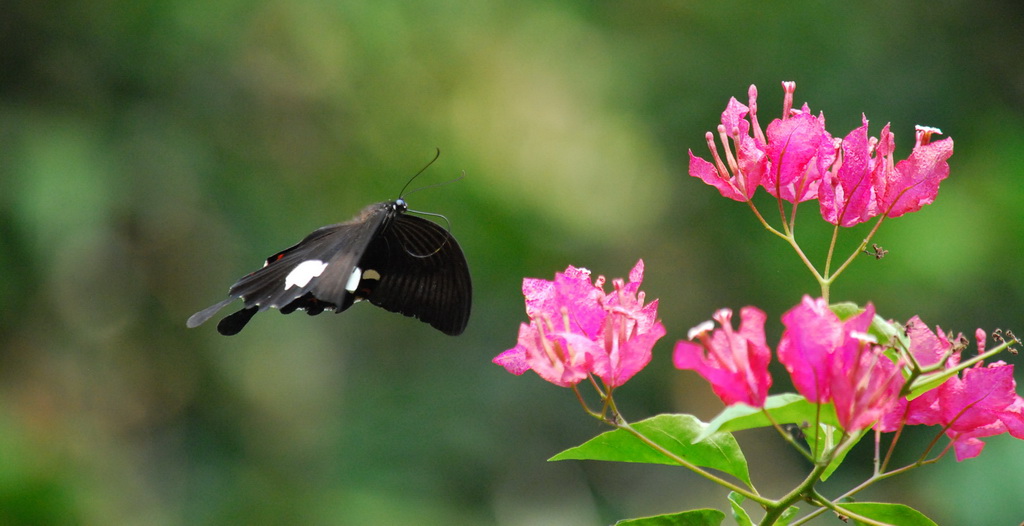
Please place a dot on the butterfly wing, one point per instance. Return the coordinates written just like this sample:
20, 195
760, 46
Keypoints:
328, 255
422, 273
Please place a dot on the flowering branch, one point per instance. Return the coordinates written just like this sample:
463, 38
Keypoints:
854, 179
856, 374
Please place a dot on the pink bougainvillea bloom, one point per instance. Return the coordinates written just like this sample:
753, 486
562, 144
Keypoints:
983, 403
914, 181
628, 332
740, 174
788, 160
735, 363
559, 311
554, 355
576, 329
980, 402
930, 348
812, 334
799, 152
571, 289
832, 360
865, 182
846, 194
865, 383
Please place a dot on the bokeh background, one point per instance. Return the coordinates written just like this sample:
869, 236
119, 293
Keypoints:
152, 152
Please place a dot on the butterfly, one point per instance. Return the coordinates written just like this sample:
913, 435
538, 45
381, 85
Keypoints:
399, 262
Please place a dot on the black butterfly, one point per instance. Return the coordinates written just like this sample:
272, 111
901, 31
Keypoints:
399, 262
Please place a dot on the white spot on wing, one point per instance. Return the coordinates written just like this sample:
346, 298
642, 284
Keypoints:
303, 273
353, 280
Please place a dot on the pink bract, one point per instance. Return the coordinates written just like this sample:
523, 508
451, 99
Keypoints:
734, 362
576, 329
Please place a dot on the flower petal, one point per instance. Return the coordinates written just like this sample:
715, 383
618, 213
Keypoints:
914, 182
846, 195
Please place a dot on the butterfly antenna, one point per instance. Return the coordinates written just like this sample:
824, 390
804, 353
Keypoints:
457, 179
437, 153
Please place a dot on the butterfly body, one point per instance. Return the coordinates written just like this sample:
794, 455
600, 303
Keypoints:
399, 262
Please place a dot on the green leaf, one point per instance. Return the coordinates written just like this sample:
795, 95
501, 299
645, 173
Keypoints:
786, 408
738, 513
899, 514
701, 517
845, 310
675, 433
787, 516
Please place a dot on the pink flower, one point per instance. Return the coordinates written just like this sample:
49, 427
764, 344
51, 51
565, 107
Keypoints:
576, 329
735, 363
800, 151
865, 383
847, 195
914, 181
746, 168
831, 360
629, 331
981, 403
813, 333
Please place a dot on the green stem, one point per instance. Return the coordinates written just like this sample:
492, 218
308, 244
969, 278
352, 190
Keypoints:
610, 415
935, 379
826, 282
820, 500
827, 504
760, 218
857, 252
788, 234
791, 239
776, 508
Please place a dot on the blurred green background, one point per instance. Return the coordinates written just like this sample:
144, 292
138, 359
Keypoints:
152, 152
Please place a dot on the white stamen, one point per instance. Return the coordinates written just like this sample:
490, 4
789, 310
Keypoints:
701, 328
353, 280
303, 273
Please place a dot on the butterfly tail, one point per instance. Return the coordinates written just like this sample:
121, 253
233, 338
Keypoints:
200, 317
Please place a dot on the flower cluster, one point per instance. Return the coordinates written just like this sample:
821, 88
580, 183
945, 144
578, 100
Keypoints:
837, 361
795, 159
576, 329
829, 360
